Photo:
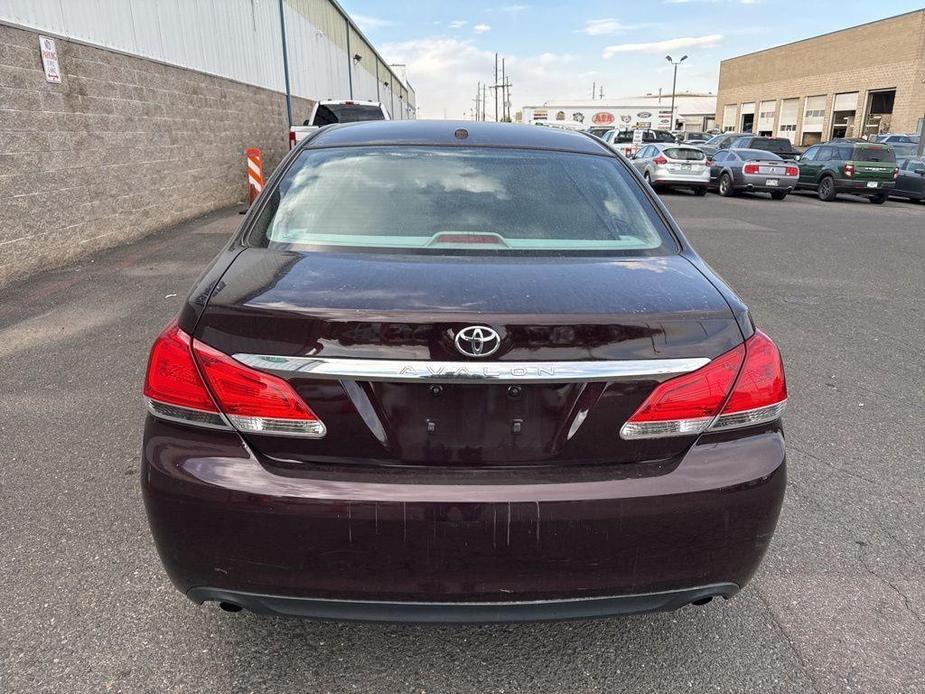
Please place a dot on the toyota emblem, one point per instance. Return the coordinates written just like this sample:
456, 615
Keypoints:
477, 341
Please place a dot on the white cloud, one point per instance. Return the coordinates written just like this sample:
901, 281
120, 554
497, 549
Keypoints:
513, 9
604, 27
370, 24
445, 71
709, 41
481, 28
458, 24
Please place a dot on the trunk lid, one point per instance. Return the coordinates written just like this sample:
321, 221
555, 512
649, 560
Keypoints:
437, 406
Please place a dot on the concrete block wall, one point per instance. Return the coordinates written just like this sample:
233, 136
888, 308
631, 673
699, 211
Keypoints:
122, 147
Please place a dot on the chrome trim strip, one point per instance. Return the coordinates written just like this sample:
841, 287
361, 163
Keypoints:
423, 371
187, 415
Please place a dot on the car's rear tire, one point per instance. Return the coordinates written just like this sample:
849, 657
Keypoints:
778, 194
701, 191
648, 178
878, 199
826, 190
726, 188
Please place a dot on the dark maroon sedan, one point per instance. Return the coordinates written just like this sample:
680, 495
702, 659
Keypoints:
461, 372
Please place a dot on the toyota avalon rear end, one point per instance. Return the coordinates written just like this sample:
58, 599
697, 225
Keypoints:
461, 372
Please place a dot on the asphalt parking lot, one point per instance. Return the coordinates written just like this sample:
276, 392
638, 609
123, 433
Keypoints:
838, 606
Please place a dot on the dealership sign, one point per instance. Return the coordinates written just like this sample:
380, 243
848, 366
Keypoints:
603, 118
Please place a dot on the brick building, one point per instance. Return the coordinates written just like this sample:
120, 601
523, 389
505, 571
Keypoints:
856, 82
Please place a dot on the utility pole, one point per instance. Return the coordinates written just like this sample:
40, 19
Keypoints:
674, 84
484, 102
504, 117
601, 95
593, 90
282, 31
478, 96
921, 146
495, 87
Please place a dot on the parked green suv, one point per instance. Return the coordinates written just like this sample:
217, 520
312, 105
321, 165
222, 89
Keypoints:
860, 168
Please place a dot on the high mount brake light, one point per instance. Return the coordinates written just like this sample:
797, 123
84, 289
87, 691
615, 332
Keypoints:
743, 387
190, 382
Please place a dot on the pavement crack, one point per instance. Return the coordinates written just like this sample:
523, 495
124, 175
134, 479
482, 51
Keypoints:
907, 602
791, 644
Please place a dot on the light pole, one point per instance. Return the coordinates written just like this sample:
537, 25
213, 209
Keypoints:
674, 84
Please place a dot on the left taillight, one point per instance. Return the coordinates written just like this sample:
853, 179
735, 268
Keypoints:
174, 388
190, 382
743, 387
291, 139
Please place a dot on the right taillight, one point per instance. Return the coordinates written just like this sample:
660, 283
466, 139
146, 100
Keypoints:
291, 139
188, 381
849, 170
743, 387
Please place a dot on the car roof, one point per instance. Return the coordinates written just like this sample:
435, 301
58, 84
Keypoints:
672, 145
443, 132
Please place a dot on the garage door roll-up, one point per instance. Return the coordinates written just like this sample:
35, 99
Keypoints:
846, 102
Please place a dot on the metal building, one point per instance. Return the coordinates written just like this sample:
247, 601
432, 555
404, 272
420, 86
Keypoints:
329, 57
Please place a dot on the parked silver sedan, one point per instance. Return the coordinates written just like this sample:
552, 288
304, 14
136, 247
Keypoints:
753, 171
672, 165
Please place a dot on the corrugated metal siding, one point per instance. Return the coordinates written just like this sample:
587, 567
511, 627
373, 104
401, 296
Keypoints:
238, 39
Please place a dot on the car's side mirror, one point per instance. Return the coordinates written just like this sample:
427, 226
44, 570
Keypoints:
797, 157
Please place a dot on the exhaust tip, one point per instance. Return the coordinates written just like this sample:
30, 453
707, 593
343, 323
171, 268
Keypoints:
229, 606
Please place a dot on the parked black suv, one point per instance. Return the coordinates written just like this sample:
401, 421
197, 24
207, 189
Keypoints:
863, 169
781, 146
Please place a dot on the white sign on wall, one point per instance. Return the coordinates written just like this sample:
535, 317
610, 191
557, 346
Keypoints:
50, 59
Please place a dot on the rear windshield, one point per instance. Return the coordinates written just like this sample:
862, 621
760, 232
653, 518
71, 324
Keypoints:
757, 154
438, 199
778, 144
685, 154
874, 154
346, 113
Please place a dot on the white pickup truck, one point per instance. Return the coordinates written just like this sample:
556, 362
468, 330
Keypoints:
328, 112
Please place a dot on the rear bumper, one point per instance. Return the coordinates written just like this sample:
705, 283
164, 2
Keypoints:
463, 612
847, 185
758, 184
394, 543
663, 177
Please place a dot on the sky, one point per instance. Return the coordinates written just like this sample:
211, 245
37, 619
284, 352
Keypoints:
557, 50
